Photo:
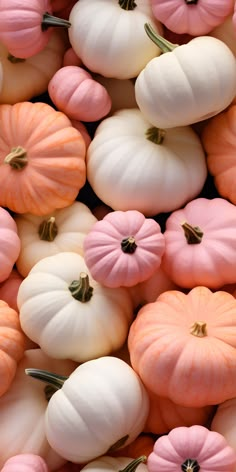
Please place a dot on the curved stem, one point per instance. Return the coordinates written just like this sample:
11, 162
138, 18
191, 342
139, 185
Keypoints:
134, 464
118, 444
193, 234
128, 245
49, 391
199, 329
55, 380
190, 465
17, 158
156, 135
50, 20
80, 289
162, 43
48, 229
127, 4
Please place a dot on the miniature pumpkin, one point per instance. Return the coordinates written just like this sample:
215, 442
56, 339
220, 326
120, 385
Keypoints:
42, 158
116, 464
74, 91
191, 450
200, 244
25, 27
123, 249
25, 463
70, 315
10, 244
81, 414
186, 71
183, 346
60, 231
118, 46
9, 289
132, 165
195, 17
224, 421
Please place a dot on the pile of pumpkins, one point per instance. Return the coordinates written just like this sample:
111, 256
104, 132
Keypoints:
117, 263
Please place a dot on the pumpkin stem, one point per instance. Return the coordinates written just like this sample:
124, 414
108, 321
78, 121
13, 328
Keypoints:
156, 135
191, 2
128, 245
134, 464
190, 465
199, 329
17, 158
193, 234
162, 43
80, 289
48, 229
54, 380
118, 444
127, 4
49, 391
50, 20
14, 60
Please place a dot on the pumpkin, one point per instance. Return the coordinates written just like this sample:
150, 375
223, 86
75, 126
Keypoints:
42, 158
26, 78
223, 421
25, 463
141, 446
73, 90
22, 411
117, 36
70, 315
183, 346
121, 92
9, 289
123, 249
186, 71
10, 244
191, 450
195, 17
116, 464
219, 141
25, 26
71, 59
132, 165
91, 413
226, 33
200, 244
60, 231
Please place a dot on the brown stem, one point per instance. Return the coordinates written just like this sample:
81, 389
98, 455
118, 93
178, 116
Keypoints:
17, 158
128, 245
127, 4
199, 329
49, 390
190, 465
48, 229
13, 59
193, 234
80, 289
118, 444
156, 135
50, 20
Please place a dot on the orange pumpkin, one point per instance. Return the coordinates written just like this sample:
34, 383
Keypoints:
42, 158
183, 346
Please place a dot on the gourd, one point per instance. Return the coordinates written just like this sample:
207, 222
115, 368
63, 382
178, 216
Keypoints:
60, 231
10, 244
81, 414
191, 450
123, 249
70, 315
74, 91
25, 463
118, 46
9, 289
199, 244
183, 346
186, 71
42, 158
132, 165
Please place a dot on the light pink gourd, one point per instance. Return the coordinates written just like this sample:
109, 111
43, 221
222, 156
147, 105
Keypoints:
191, 449
9, 289
195, 17
124, 248
10, 244
25, 463
73, 90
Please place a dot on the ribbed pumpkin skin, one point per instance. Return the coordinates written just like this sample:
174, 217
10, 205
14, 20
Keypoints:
55, 153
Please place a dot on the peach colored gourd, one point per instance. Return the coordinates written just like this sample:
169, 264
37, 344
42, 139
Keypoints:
200, 244
73, 90
26, 27
25, 463
9, 289
183, 346
10, 244
42, 158
123, 249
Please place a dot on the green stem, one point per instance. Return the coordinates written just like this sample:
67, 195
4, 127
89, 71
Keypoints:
128, 245
17, 158
80, 289
127, 4
49, 391
55, 380
13, 59
50, 20
48, 229
156, 135
193, 234
162, 43
134, 464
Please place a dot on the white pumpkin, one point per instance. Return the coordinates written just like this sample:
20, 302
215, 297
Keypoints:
68, 314
102, 406
22, 411
42, 236
109, 36
116, 464
187, 83
129, 169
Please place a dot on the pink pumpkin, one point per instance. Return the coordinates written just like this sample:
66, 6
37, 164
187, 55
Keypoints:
200, 246
25, 463
9, 289
73, 90
123, 249
71, 59
9, 244
195, 17
25, 26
